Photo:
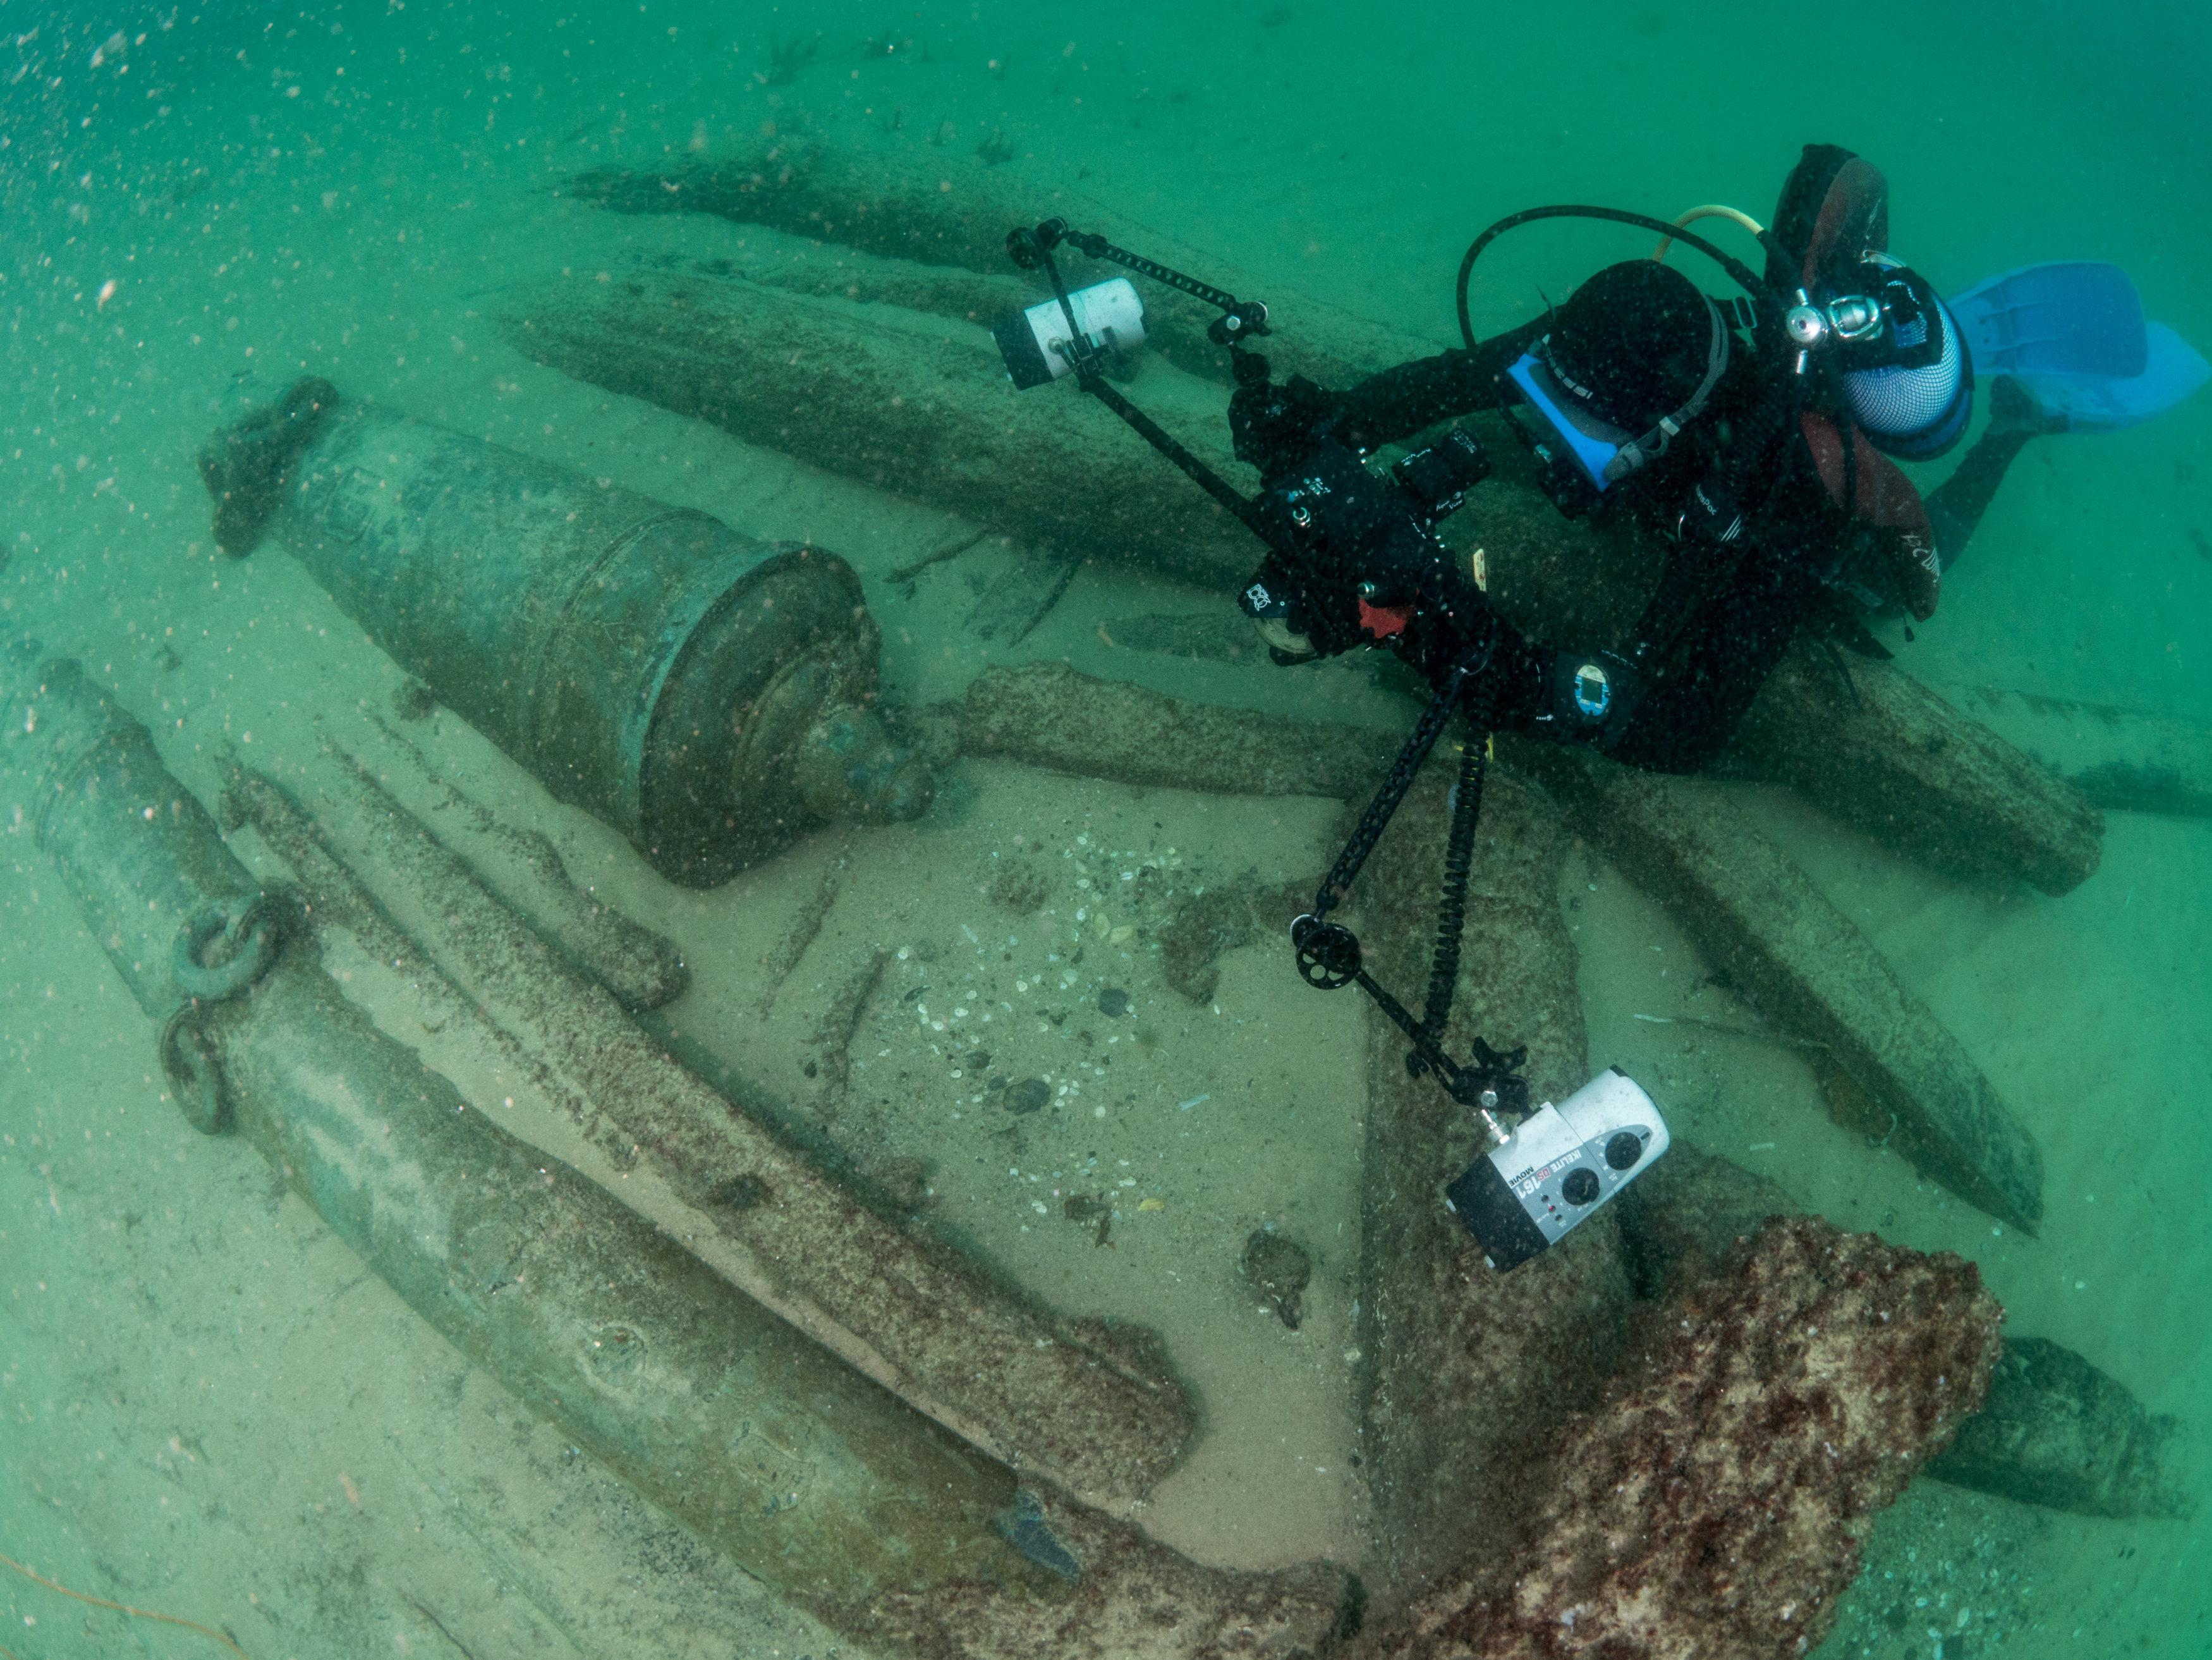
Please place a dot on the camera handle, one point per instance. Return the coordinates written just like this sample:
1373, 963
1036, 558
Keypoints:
1329, 953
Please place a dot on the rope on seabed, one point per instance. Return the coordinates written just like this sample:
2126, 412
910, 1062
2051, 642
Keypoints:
119, 1607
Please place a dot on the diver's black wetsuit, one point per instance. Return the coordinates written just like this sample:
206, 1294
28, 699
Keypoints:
1796, 540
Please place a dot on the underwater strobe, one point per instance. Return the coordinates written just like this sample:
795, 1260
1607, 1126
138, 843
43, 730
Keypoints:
1556, 1171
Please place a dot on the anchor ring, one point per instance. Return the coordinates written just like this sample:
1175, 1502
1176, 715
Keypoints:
247, 929
188, 1061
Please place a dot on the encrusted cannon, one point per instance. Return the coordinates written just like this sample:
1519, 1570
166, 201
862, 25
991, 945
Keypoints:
804, 1472
709, 696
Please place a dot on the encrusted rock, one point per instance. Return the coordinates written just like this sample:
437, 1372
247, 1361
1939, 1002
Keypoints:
1279, 1270
2055, 1430
1680, 1219
1717, 1506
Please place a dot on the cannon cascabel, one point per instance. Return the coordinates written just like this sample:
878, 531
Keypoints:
708, 695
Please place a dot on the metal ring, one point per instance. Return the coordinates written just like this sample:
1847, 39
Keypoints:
1328, 957
189, 1063
251, 927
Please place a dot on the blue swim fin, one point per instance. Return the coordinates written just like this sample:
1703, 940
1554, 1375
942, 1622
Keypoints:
2073, 335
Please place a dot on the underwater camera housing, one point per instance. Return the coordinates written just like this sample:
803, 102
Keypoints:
1558, 1169
1565, 485
1349, 544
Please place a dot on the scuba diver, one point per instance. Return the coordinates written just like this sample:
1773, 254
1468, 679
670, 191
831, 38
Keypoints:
1766, 463
1758, 434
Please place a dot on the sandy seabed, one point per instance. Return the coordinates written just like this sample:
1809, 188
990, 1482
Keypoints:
208, 1407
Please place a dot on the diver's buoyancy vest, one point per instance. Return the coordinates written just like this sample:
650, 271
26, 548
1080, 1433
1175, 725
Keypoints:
1886, 501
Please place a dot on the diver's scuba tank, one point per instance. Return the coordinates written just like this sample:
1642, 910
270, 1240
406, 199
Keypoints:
1874, 334
1898, 364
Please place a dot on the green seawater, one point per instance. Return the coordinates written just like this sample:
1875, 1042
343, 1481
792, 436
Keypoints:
208, 1409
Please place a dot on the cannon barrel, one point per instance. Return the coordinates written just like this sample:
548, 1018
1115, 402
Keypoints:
709, 696
805, 1472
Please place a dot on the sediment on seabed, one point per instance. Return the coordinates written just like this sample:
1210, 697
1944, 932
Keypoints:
1449, 1482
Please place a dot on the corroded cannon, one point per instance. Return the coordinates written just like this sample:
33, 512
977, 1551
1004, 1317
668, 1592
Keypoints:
768, 1447
708, 695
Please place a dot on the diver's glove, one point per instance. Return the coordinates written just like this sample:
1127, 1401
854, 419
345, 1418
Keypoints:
1577, 698
1272, 427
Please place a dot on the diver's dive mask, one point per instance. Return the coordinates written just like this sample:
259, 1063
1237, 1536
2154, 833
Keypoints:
1582, 455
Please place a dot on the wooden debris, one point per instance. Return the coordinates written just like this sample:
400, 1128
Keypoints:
932, 211
922, 408
1465, 1373
2129, 760
781, 960
2060, 1432
1804, 964
643, 969
1887, 755
904, 403
1047, 714
802, 1470
915, 1315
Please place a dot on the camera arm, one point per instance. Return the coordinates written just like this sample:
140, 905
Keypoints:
1031, 249
1330, 956
1329, 953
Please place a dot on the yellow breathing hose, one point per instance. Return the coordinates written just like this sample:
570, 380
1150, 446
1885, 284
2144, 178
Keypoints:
1709, 210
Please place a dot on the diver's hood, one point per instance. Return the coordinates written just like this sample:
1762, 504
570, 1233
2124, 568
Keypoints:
1832, 213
